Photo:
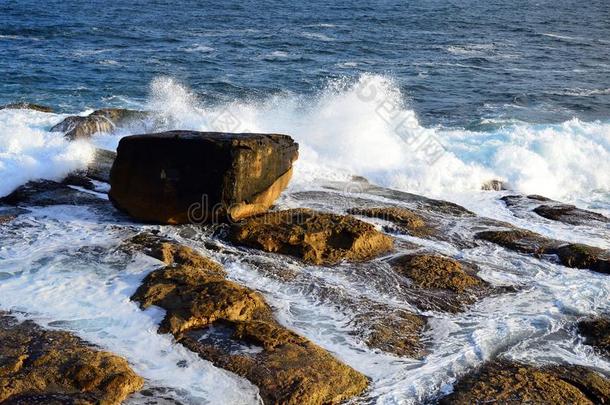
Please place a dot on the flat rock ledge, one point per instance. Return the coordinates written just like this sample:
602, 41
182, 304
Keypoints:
200, 301
315, 237
39, 366
574, 255
508, 382
405, 219
26, 106
178, 177
596, 332
100, 121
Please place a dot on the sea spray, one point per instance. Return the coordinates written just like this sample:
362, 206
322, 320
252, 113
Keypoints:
29, 152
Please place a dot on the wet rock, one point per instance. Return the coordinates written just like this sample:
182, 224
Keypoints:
397, 331
104, 120
79, 180
46, 192
99, 168
287, 368
582, 256
47, 367
553, 210
508, 382
315, 237
405, 219
439, 283
569, 214
186, 176
519, 240
493, 185
435, 271
597, 333
26, 106
570, 254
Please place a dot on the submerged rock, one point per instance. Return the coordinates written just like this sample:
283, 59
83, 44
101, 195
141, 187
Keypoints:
185, 176
43, 366
508, 382
574, 255
104, 120
315, 237
287, 368
396, 331
26, 106
597, 333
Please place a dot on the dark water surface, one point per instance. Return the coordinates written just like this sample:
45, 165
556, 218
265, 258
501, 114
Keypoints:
455, 62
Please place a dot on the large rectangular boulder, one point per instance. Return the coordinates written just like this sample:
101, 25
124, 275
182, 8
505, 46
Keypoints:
186, 176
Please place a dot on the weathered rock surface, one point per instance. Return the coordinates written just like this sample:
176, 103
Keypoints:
440, 283
47, 192
287, 368
570, 254
435, 271
315, 237
104, 120
596, 332
185, 176
26, 106
396, 331
507, 382
39, 366
554, 210
405, 219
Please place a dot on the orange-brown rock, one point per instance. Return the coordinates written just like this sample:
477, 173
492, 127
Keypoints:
42, 366
435, 271
397, 331
507, 382
186, 176
404, 218
315, 237
287, 368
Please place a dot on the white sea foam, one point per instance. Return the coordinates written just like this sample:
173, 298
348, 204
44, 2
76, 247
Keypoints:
29, 152
346, 129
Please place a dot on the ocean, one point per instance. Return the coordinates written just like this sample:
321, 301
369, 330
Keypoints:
433, 97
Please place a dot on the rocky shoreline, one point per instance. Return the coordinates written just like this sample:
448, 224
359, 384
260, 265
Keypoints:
159, 178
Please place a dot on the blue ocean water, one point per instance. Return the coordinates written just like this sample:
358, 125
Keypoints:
456, 62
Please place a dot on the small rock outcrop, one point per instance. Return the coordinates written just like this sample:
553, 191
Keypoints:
441, 283
315, 237
287, 368
508, 382
574, 255
26, 106
184, 176
104, 120
405, 219
596, 332
42, 366
554, 210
